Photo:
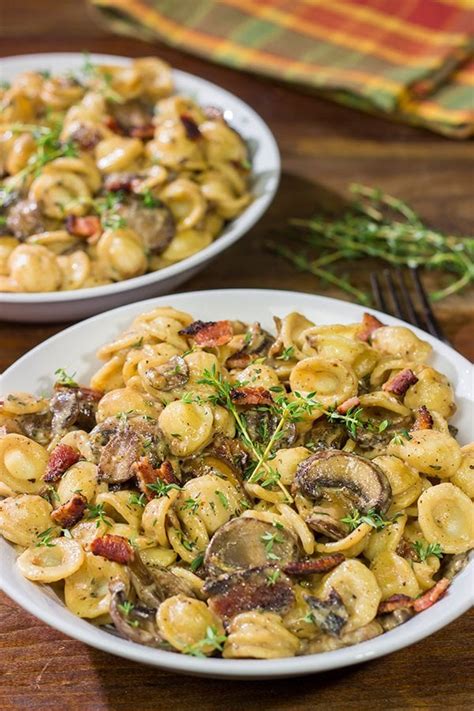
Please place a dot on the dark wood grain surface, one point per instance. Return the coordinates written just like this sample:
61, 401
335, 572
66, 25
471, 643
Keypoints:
324, 147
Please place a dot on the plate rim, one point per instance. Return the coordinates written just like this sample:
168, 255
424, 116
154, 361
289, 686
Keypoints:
267, 140
250, 669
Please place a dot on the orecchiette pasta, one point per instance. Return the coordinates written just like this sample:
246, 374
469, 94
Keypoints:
131, 175
218, 490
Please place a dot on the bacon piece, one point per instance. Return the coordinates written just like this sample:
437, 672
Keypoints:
405, 550
251, 396
399, 384
209, 334
432, 595
191, 127
369, 325
61, 458
317, 565
261, 588
114, 182
146, 475
395, 602
86, 137
423, 420
114, 125
86, 226
71, 512
142, 131
239, 360
347, 405
114, 548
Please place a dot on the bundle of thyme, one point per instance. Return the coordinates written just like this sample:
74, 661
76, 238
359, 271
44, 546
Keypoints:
378, 225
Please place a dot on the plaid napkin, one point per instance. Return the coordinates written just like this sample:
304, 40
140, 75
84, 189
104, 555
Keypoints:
410, 59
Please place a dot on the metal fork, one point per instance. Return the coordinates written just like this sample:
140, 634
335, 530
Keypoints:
392, 289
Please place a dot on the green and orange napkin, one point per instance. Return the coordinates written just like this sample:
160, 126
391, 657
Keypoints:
409, 59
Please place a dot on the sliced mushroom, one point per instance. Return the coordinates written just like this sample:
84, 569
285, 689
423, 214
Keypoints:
359, 480
118, 445
154, 586
154, 225
37, 426
326, 435
172, 374
131, 115
452, 565
257, 343
330, 615
395, 618
262, 588
25, 219
74, 406
133, 621
248, 543
262, 424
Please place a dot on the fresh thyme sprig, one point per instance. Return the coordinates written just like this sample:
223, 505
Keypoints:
374, 519
212, 642
424, 550
366, 230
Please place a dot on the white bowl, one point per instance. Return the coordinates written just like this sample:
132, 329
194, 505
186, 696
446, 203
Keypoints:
71, 305
74, 348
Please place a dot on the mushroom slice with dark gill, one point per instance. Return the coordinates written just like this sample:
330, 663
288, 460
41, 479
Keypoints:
154, 585
244, 543
359, 481
257, 343
172, 374
261, 424
74, 406
326, 435
263, 588
154, 225
24, 219
126, 444
133, 621
330, 615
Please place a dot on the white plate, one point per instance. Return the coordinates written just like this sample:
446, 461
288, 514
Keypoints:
74, 348
71, 305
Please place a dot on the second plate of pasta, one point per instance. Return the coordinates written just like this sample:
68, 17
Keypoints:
120, 179
240, 483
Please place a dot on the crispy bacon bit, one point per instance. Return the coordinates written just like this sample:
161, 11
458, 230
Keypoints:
399, 384
239, 360
61, 458
251, 396
191, 127
252, 589
369, 325
146, 475
83, 226
395, 602
347, 405
423, 420
114, 182
432, 595
114, 548
317, 565
405, 550
113, 124
86, 137
142, 131
209, 334
71, 512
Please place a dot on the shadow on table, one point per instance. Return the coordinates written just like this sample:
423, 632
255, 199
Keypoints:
127, 686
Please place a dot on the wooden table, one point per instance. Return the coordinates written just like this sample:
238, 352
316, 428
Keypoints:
324, 147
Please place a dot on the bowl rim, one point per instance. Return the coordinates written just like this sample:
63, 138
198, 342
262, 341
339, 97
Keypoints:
449, 608
237, 228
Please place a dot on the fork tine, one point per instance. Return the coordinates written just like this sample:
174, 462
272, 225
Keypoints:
409, 306
397, 308
379, 298
431, 324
